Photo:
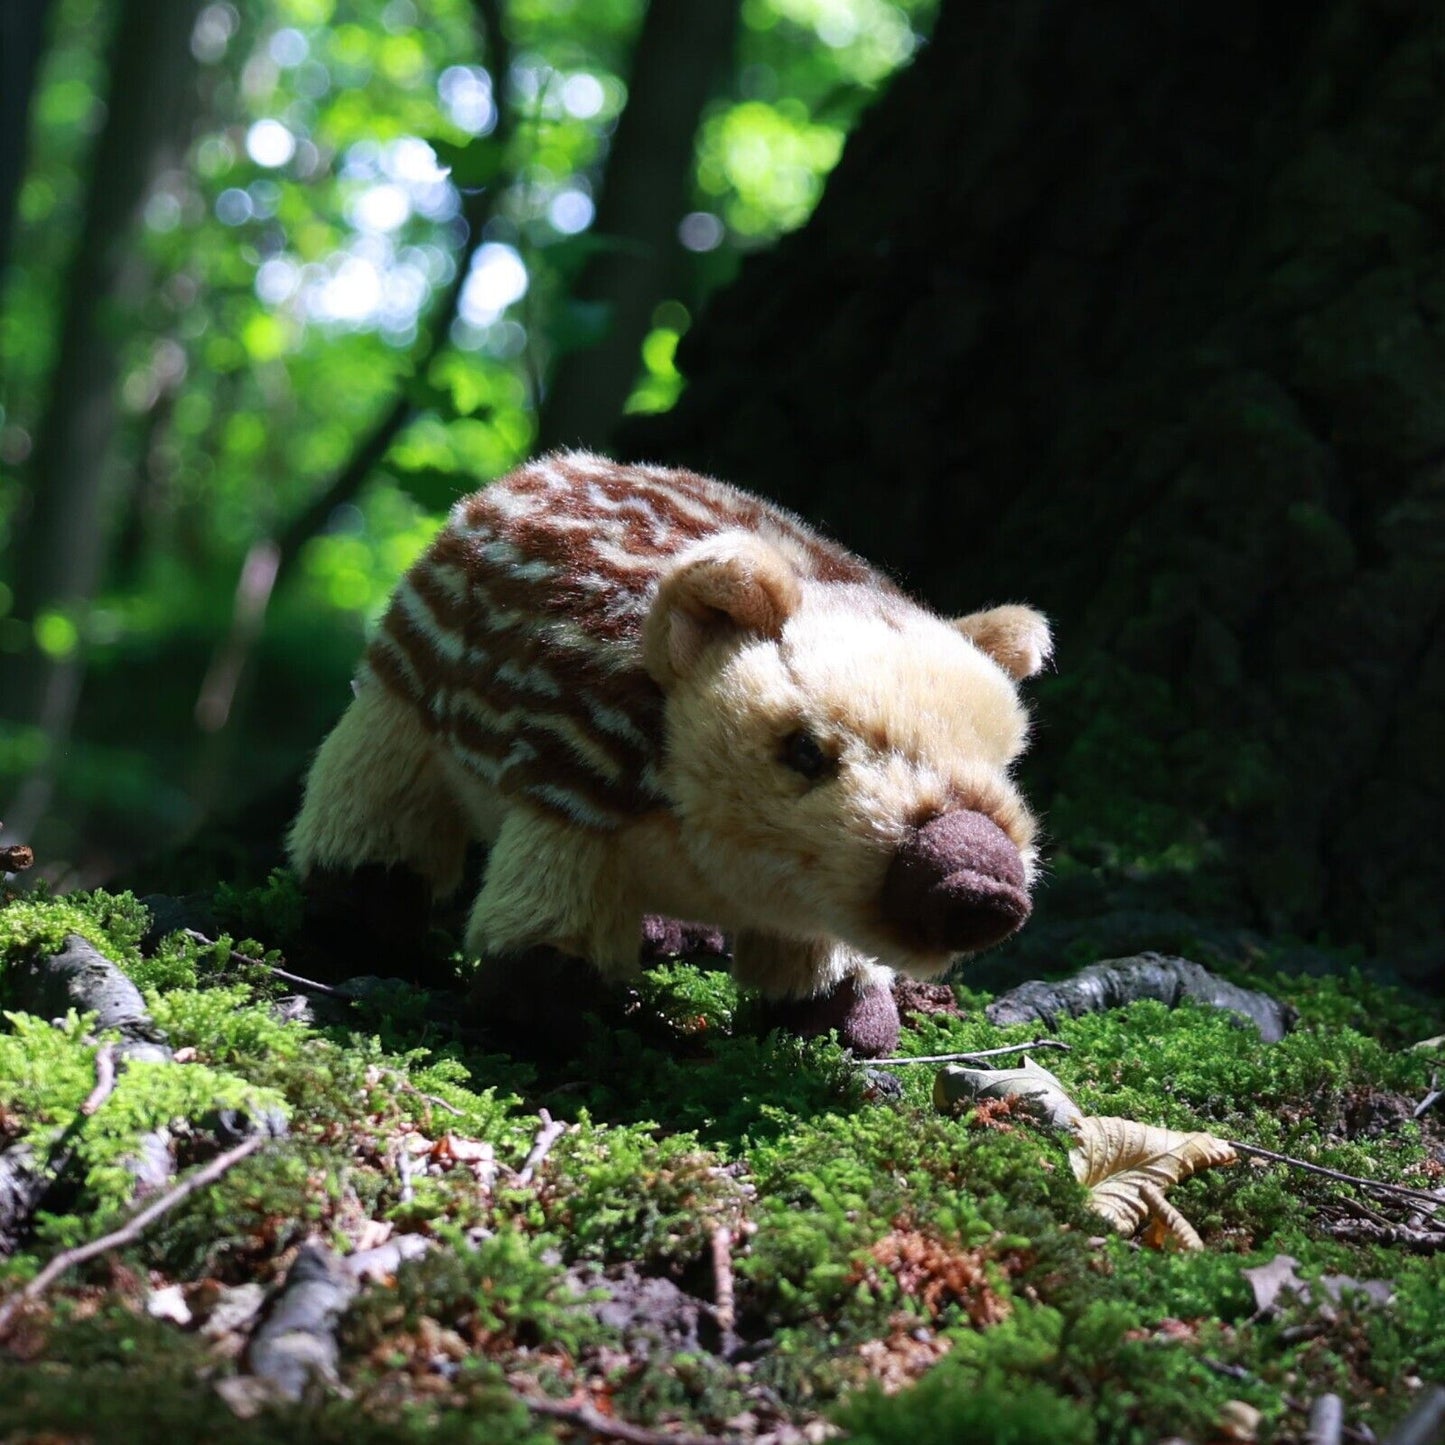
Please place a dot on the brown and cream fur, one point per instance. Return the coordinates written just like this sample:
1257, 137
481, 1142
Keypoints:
603, 671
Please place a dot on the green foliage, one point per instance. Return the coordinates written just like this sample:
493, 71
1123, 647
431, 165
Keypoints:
271, 911
859, 1231
624, 1194
496, 1291
114, 923
284, 278
990, 1408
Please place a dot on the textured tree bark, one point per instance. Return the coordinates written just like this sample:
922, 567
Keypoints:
61, 543
1148, 329
683, 47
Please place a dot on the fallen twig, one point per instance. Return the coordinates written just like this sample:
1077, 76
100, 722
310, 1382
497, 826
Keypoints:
403, 1168
1431, 1098
1238, 1372
129, 1232
724, 1307
104, 1080
1382, 1186
1425, 1424
1367, 1231
547, 1136
1326, 1421
440, 1103
586, 1417
306, 985
973, 1054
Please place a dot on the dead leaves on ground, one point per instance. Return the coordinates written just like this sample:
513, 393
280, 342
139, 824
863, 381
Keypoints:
1125, 1165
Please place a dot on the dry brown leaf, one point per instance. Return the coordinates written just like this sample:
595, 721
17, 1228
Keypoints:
1030, 1083
1127, 1166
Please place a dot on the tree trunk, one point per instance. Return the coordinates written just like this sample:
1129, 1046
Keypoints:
684, 46
1139, 312
61, 544
22, 40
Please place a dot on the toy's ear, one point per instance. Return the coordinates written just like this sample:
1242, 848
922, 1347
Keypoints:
1017, 638
732, 582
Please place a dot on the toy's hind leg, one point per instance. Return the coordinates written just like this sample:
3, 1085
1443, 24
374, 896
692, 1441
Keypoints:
554, 931
380, 833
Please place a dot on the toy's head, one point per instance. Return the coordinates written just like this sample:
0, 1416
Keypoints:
839, 759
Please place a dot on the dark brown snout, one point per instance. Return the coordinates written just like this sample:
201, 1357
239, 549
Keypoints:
956, 884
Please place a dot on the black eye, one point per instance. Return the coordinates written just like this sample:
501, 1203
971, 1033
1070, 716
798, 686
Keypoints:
803, 753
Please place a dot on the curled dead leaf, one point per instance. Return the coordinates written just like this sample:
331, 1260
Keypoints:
1127, 1166
955, 1087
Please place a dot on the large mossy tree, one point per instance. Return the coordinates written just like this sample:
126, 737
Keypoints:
1139, 312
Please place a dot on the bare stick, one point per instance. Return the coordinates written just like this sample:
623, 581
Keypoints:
104, 1080
585, 1417
1238, 1372
1397, 1191
129, 1232
724, 1308
403, 1168
307, 985
1422, 1426
975, 1054
440, 1103
550, 1132
1326, 1421
1432, 1098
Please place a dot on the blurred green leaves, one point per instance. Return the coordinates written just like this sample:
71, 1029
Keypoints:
286, 269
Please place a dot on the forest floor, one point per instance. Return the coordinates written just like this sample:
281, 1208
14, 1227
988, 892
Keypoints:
349, 1222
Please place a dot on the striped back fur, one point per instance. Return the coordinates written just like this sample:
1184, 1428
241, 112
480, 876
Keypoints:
517, 635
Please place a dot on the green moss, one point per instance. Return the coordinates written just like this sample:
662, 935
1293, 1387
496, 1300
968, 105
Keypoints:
114, 922
494, 1292
625, 1194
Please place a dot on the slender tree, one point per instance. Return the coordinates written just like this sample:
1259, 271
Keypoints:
22, 41
684, 47
75, 480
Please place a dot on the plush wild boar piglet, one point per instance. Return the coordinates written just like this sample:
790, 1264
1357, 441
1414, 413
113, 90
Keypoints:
651, 693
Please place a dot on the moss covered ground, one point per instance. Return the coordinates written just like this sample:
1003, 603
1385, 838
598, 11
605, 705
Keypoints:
896, 1276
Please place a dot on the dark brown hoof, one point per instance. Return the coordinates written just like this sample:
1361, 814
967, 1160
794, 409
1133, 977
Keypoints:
864, 1015
544, 1004
370, 920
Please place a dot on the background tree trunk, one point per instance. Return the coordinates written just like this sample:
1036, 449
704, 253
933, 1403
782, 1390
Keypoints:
60, 545
22, 39
1150, 331
684, 47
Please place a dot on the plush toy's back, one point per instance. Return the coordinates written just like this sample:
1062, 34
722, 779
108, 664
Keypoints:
517, 635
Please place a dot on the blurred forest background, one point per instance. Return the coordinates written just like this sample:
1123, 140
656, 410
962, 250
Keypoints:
1136, 312
282, 278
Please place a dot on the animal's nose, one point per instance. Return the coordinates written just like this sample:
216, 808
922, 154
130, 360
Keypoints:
956, 884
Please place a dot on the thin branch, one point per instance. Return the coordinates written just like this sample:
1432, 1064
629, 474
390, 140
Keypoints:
550, 1132
976, 1054
306, 985
439, 1102
1381, 1186
586, 1417
1431, 1098
104, 1080
129, 1232
724, 1307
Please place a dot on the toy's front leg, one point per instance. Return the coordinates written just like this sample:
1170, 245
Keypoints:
811, 986
554, 929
